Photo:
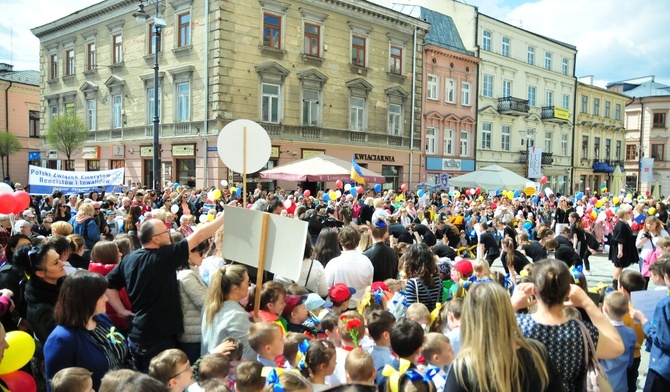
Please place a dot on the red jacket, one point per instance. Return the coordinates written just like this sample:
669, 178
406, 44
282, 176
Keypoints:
123, 324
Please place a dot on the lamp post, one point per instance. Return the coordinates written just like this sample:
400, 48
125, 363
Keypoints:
141, 17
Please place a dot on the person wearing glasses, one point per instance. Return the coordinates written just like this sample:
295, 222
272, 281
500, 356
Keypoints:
150, 278
44, 269
84, 337
192, 290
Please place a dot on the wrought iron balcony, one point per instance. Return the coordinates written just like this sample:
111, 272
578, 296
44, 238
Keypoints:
555, 114
547, 157
511, 105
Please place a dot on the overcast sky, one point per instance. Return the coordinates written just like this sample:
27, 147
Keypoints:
615, 39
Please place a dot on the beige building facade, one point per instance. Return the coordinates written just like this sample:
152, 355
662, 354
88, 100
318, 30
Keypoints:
600, 136
336, 77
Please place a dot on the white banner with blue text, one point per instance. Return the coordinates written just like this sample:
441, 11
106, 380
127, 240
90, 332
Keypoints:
44, 181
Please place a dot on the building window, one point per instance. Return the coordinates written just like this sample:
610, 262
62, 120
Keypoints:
311, 115
608, 147
450, 90
507, 88
117, 164
396, 59
585, 147
151, 106
357, 114
185, 171
449, 141
34, 123
504, 48
431, 146
547, 61
530, 57
117, 49
465, 94
596, 106
548, 145
549, 98
53, 69
395, 120
272, 30
183, 101
69, 62
631, 152
433, 88
69, 109
358, 45
659, 120
486, 136
617, 151
596, 148
90, 56
184, 38
617, 112
566, 101
53, 111
564, 66
564, 144
153, 44
486, 41
506, 137
487, 86
657, 151
532, 92
608, 107
312, 40
465, 143
93, 165
585, 104
117, 111
90, 115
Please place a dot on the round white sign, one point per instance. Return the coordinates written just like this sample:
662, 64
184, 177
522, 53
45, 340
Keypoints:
230, 146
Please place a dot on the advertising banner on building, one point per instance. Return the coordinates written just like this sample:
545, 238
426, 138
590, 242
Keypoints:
534, 162
44, 181
646, 172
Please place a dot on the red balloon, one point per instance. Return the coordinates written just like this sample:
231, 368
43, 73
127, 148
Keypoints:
543, 180
647, 192
359, 189
609, 214
18, 209
307, 193
403, 187
338, 184
588, 211
22, 199
594, 200
541, 195
7, 203
19, 381
478, 190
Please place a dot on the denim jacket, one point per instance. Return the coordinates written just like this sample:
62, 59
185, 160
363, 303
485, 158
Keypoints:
658, 332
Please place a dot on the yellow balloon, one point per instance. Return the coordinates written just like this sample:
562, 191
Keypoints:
457, 194
595, 193
629, 196
217, 194
332, 195
510, 195
604, 189
615, 200
652, 211
21, 349
481, 198
599, 203
233, 189
594, 214
605, 199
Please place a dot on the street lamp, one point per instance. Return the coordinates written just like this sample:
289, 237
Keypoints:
141, 17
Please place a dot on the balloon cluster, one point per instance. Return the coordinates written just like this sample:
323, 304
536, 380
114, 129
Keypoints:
21, 349
13, 202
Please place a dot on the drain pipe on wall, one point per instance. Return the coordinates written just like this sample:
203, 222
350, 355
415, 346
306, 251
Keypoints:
413, 114
6, 173
205, 129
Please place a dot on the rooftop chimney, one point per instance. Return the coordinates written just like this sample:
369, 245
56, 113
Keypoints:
4, 67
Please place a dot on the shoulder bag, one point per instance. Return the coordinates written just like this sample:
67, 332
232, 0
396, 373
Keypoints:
595, 379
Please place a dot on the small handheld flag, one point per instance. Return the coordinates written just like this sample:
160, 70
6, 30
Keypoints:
356, 172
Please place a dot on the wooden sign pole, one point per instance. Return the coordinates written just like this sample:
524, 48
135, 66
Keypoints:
261, 263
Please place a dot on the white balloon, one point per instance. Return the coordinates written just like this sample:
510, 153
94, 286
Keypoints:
287, 204
174, 208
224, 183
338, 193
203, 218
4, 188
347, 187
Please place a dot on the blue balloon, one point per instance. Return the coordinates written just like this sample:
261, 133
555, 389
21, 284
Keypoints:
535, 199
497, 192
527, 225
579, 195
176, 185
326, 197
353, 191
378, 188
516, 193
421, 192
238, 192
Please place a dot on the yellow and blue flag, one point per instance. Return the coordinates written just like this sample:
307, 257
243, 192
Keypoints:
356, 172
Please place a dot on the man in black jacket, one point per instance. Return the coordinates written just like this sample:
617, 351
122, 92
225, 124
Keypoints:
383, 258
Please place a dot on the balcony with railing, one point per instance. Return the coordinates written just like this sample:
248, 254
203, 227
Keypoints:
547, 157
514, 106
555, 114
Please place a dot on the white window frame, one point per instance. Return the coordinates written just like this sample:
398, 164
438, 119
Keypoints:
585, 104
566, 101
548, 141
564, 66
530, 55
358, 114
532, 95
117, 111
549, 98
486, 136
150, 104
395, 119
91, 117
449, 141
547, 61
431, 140
270, 98
486, 40
505, 46
53, 111
506, 137
596, 106
506, 88
450, 90
564, 144
312, 108
487, 85
433, 87
183, 102
465, 94
617, 111
464, 142
608, 109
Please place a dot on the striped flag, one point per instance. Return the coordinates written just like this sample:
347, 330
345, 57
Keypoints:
356, 172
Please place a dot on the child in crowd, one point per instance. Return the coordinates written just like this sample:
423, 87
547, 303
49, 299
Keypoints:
396, 305
615, 308
656, 274
318, 309
273, 302
360, 368
249, 377
214, 385
214, 366
319, 363
460, 274
295, 312
439, 355
454, 321
662, 247
380, 323
266, 340
330, 331
406, 343
171, 368
296, 289
340, 294
481, 270
291, 382
73, 379
292, 340
462, 239
112, 224
444, 270
630, 281
419, 313
351, 328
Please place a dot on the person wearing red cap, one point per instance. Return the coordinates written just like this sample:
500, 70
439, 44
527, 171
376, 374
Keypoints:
340, 295
295, 312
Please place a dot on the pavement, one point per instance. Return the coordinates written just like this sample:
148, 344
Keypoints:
601, 271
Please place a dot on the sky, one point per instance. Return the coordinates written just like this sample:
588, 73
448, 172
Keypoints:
615, 39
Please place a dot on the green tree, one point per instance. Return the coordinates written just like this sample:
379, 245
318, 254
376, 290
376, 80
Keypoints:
9, 144
67, 134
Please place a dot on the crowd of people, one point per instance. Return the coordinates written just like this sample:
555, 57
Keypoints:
428, 290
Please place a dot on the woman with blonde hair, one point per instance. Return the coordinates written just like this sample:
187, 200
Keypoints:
495, 356
647, 241
366, 238
61, 228
84, 225
223, 316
